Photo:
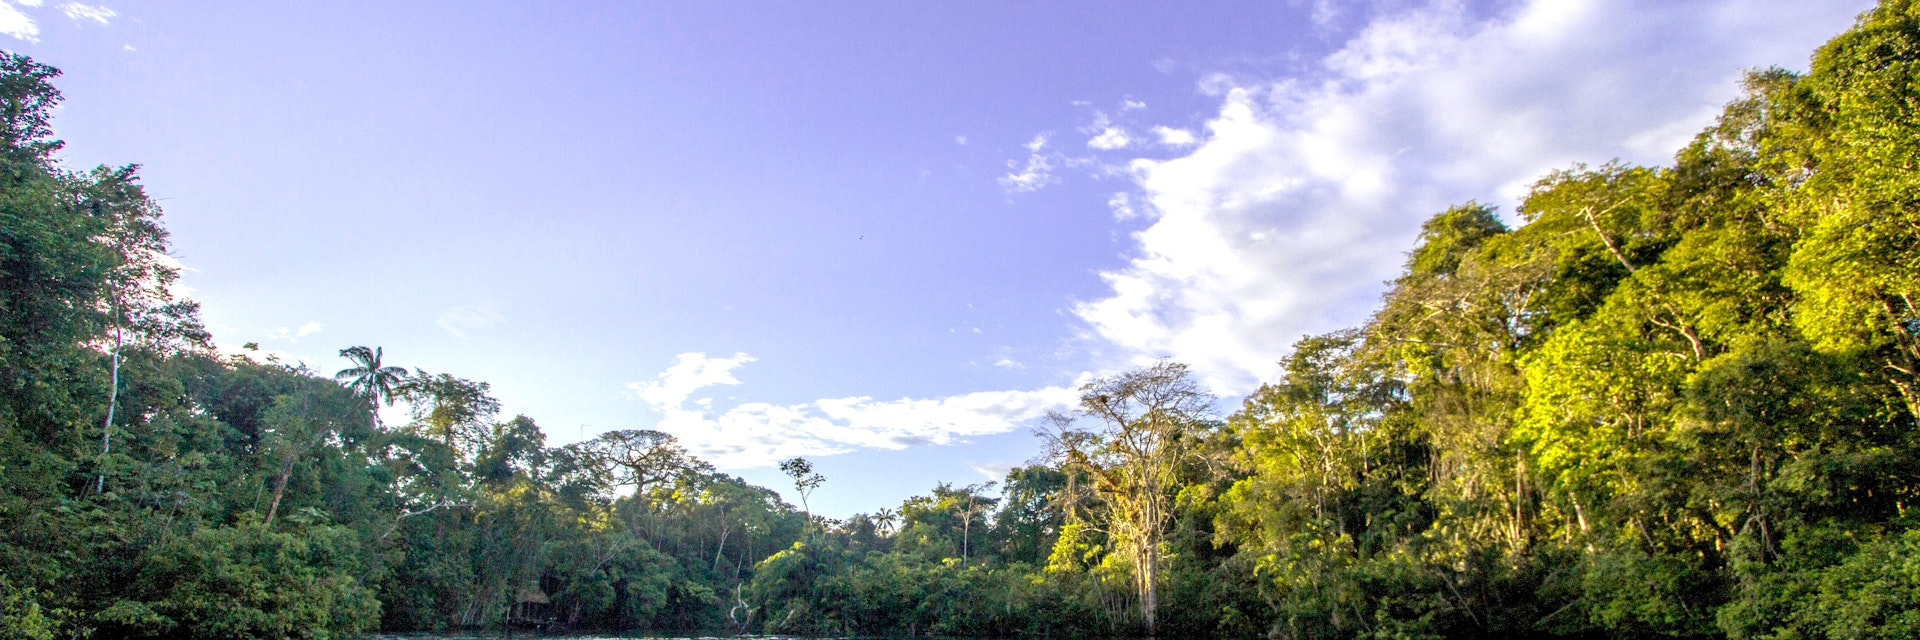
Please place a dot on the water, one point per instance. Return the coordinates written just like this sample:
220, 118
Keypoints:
498, 635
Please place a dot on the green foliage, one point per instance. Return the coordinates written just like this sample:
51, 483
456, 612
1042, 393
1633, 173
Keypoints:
247, 581
23, 617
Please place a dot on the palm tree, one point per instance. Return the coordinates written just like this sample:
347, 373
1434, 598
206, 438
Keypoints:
886, 518
369, 379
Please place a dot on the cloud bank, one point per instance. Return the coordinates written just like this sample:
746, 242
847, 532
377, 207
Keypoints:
758, 434
1300, 195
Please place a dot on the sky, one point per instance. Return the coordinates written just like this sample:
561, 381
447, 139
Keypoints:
886, 236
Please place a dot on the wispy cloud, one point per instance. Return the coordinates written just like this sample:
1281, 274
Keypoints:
457, 321
1122, 206
17, 23
1035, 173
79, 12
994, 471
294, 335
1325, 12
1301, 194
757, 434
1108, 135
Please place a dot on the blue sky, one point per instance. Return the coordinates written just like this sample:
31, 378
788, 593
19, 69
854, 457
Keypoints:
884, 235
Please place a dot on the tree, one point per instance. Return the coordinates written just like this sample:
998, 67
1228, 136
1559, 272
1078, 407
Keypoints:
1146, 424
976, 507
886, 519
1029, 517
456, 411
370, 379
295, 424
804, 480
139, 302
640, 457
1849, 150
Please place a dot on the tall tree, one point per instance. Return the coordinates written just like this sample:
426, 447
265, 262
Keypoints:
1144, 426
643, 458
370, 378
804, 481
456, 411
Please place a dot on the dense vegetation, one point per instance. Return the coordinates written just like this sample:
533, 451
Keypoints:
1675, 401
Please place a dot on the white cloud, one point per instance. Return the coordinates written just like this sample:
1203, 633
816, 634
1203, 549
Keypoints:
1038, 143
690, 372
960, 140
994, 471
1172, 137
294, 335
18, 24
1035, 174
457, 321
1303, 193
757, 434
1104, 133
78, 12
1122, 206
1110, 138
1325, 12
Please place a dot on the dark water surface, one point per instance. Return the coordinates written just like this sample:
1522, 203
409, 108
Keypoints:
498, 635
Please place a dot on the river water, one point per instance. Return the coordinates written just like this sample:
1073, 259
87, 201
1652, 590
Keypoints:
498, 635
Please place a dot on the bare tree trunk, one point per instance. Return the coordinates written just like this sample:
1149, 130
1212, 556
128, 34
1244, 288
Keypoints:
113, 398
722, 547
966, 534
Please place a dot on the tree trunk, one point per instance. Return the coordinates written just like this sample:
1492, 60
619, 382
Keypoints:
113, 398
966, 534
1150, 590
279, 489
722, 547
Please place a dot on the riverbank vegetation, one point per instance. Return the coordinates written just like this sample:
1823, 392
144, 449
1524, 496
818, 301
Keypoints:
1656, 401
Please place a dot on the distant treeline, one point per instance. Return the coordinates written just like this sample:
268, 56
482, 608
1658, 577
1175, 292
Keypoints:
1674, 401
